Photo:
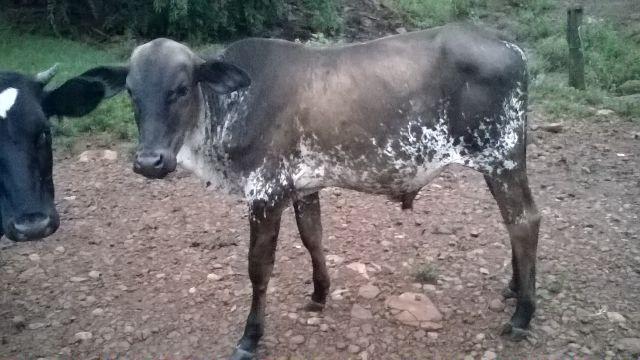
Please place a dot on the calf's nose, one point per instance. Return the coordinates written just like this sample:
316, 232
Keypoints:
151, 164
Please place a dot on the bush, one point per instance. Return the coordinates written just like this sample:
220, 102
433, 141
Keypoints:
429, 13
180, 19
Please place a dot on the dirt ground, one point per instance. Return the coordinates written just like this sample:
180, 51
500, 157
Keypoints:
157, 269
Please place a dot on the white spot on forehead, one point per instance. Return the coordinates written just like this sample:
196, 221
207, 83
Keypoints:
7, 100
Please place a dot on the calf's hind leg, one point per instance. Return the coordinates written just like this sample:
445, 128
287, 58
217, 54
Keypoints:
307, 211
512, 193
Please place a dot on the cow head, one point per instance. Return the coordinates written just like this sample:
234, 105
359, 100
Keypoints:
27, 209
163, 82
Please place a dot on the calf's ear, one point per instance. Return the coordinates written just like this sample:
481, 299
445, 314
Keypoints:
223, 77
82, 94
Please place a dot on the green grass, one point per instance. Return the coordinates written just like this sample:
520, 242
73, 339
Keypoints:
426, 273
30, 54
429, 13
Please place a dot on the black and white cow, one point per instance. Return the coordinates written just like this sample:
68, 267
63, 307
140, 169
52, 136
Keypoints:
27, 208
275, 122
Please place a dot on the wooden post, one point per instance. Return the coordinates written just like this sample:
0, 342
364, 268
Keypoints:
576, 57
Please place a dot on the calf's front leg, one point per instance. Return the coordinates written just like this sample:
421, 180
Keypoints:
309, 222
264, 224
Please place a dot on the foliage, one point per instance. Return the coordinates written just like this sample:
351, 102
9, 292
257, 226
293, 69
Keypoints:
325, 16
426, 273
202, 20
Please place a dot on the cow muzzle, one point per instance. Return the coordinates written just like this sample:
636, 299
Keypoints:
32, 227
154, 164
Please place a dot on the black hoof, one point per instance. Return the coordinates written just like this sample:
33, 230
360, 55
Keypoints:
509, 293
313, 306
514, 333
239, 354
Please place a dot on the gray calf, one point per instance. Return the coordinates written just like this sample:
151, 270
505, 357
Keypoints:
274, 122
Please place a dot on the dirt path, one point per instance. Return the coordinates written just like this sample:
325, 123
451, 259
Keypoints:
152, 269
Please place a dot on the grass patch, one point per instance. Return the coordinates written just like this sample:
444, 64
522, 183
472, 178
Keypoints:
426, 273
428, 13
30, 54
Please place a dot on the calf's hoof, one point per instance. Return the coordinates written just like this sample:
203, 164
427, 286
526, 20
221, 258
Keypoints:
239, 354
314, 306
514, 333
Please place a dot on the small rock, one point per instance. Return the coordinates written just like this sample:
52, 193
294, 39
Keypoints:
93, 155
82, 336
94, 274
76, 279
605, 112
34, 272
415, 308
631, 345
475, 233
430, 326
34, 257
368, 291
432, 335
213, 277
297, 339
353, 349
313, 321
361, 313
489, 355
484, 271
615, 317
18, 322
496, 305
97, 311
192, 290
35, 326
129, 329
360, 268
551, 127
341, 345
480, 337
60, 249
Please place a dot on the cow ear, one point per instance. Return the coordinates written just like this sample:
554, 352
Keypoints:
223, 77
82, 94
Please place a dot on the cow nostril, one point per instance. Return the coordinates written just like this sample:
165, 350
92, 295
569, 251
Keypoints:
159, 161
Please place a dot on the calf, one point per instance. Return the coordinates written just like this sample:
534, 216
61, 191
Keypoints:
27, 209
275, 122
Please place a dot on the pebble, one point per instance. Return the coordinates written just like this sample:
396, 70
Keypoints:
496, 305
77, 279
297, 339
192, 290
368, 291
324, 327
34, 257
82, 336
489, 355
213, 277
94, 274
18, 321
353, 349
432, 335
35, 326
358, 312
313, 321
60, 249
97, 312
615, 317
631, 345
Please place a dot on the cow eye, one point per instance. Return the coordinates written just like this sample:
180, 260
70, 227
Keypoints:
181, 91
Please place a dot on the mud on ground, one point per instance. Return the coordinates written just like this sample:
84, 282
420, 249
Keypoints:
157, 269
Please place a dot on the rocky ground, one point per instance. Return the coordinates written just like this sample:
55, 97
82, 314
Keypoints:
157, 269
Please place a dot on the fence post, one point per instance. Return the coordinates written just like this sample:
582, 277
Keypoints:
576, 57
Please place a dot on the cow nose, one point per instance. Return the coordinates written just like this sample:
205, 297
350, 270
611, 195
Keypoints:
151, 164
32, 227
